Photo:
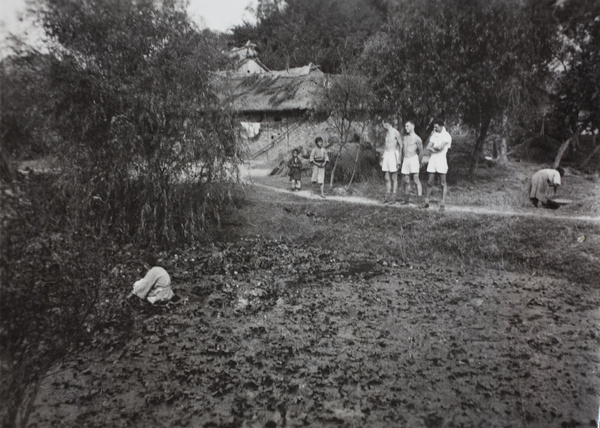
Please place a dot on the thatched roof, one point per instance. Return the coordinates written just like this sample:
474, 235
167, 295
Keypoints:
289, 90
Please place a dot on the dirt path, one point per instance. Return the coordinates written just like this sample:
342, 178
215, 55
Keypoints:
307, 194
539, 213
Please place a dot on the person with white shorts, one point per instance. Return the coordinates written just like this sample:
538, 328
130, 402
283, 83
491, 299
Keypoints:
412, 150
439, 143
391, 161
319, 159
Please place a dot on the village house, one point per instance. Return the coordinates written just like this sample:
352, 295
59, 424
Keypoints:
279, 109
246, 60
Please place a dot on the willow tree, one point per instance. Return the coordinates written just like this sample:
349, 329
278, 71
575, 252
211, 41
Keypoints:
475, 61
145, 151
578, 84
137, 115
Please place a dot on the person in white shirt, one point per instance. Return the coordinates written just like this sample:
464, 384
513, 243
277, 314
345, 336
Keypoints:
541, 181
154, 287
439, 143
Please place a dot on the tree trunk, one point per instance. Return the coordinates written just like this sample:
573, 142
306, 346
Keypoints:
478, 149
594, 152
343, 141
355, 164
503, 154
28, 402
337, 158
543, 130
563, 148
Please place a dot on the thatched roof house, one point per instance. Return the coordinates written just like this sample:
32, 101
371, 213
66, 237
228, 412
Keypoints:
285, 92
275, 106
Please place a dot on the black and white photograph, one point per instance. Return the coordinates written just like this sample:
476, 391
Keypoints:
300, 213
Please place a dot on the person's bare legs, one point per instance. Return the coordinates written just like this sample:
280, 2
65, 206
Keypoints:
418, 183
444, 191
395, 183
406, 188
388, 185
430, 181
415, 178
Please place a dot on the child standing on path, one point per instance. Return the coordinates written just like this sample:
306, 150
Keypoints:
318, 159
295, 165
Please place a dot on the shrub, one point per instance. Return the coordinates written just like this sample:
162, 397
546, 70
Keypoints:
52, 279
146, 155
360, 168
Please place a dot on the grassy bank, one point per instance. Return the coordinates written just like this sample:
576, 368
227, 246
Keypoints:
511, 243
498, 187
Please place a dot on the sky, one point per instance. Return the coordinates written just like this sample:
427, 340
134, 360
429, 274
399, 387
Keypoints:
221, 15
218, 15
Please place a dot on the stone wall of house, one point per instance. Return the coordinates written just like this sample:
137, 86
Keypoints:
291, 134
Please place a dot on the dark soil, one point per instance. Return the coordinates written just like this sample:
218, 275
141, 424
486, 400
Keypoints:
272, 333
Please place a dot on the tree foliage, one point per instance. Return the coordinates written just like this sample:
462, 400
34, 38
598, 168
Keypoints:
25, 127
579, 78
136, 114
577, 89
122, 99
473, 61
327, 33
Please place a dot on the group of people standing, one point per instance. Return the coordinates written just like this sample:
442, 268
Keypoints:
406, 154
401, 153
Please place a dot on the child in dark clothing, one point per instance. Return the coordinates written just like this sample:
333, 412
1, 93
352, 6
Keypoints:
295, 165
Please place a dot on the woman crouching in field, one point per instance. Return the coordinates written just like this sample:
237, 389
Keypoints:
541, 181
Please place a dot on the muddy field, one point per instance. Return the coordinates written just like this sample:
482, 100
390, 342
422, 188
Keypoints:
270, 333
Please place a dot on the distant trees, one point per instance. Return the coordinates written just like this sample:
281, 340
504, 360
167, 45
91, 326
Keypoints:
475, 61
328, 33
577, 93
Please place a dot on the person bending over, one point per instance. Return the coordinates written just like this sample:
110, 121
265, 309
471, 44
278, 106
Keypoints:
541, 182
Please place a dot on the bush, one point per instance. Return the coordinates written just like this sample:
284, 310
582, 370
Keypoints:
146, 155
349, 167
52, 279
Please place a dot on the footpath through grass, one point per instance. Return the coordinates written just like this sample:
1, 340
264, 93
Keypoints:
511, 243
501, 188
